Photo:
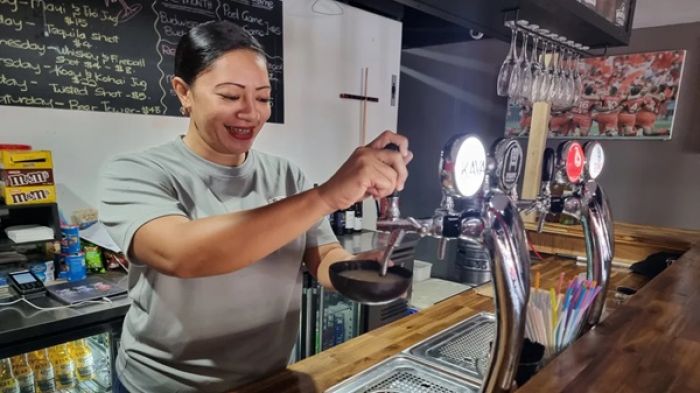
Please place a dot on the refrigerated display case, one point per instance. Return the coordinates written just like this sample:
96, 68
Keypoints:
327, 319
78, 343
83, 363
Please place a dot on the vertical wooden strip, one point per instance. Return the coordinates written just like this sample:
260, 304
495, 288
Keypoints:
363, 130
536, 143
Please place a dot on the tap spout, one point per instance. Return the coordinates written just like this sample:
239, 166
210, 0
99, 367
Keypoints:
510, 271
598, 229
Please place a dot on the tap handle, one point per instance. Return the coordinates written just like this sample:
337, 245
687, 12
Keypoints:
540, 221
442, 248
394, 147
547, 165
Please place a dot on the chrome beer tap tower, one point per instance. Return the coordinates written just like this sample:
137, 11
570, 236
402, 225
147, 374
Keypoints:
485, 186
576, 168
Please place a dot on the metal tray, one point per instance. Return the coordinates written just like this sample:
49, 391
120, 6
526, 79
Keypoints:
464, 349
402, 374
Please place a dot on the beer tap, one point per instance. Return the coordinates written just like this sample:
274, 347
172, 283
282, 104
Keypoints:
597, 222
543, 203
577, 168
493, 221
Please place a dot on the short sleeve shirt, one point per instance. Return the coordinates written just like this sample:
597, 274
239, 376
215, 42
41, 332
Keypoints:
214, 333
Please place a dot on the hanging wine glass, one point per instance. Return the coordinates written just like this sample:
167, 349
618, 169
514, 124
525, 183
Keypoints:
525, 89
514, 86
536, 67
570, 82
578, 78
554, 79
545, 77
504, 74
560, 94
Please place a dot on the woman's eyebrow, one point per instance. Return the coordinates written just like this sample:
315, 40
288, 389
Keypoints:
242, 86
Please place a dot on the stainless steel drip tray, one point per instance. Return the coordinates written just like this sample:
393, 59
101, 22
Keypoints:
463, 349
401, 374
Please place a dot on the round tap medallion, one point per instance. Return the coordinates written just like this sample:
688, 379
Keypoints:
509, 162
574, 162
470, 165
595, 159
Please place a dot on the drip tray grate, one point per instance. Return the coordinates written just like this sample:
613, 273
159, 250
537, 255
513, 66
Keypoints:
401, 374
464, 348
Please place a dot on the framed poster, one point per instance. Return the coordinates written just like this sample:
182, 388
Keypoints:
631, 96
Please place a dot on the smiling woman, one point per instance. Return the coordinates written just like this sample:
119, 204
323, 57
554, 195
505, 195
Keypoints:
227, 109
216, 231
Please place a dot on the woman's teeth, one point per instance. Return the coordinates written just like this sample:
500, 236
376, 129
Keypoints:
240, 131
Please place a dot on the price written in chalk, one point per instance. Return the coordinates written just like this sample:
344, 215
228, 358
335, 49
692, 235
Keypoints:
116, 55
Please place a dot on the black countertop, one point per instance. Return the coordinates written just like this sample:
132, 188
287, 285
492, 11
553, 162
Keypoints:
24, 328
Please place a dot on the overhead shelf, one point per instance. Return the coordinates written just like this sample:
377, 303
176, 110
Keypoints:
432, 22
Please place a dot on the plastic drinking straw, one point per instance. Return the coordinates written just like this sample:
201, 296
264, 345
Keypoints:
553, 305
561, 282
564, 313
576, 316
538, 276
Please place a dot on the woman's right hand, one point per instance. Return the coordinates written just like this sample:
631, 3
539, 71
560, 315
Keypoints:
370, 171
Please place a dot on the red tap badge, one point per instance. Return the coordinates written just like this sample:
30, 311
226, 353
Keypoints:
574, 162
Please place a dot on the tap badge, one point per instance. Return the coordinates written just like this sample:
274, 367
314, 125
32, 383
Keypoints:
595, 159
574, 162
470, 166
509, 158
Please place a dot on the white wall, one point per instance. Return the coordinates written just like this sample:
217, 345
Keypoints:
323, 57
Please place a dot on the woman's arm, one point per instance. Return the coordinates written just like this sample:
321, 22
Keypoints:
319, 259
178, 246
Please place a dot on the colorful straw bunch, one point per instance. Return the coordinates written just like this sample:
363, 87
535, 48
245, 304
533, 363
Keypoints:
554, 319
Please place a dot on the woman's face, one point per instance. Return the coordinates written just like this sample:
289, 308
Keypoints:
228, 104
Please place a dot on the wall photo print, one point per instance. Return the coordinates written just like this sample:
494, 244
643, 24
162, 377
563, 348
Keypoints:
629, 96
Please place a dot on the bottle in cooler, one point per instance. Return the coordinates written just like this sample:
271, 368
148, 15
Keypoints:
64, 366
8, 382
84, 362
44, 376
23, 373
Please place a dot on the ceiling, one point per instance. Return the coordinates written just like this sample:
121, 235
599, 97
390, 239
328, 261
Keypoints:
650, 13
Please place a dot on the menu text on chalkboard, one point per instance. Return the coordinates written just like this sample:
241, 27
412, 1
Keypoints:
117, 55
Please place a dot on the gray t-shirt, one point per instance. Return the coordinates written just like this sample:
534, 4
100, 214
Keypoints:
214, 333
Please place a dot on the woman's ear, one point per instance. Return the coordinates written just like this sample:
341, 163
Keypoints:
182, 89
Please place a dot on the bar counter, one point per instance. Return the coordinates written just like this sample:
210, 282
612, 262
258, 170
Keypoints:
650, 344
319, 372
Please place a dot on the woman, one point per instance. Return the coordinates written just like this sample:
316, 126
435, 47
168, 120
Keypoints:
216, 232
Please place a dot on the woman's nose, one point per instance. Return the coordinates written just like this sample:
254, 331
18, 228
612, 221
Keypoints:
247, 110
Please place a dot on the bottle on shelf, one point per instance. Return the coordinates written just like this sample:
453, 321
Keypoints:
358, 217
44, 376
339, 223
349, 220
84, 362
8, 382
64, 366
23, 373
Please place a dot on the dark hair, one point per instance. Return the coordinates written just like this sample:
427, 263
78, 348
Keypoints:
206, 42
589, 90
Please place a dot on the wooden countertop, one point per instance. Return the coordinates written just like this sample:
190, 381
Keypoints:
319, 372
633, 243
650, 344
668, 238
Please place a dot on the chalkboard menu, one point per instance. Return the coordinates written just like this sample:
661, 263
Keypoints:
117, 55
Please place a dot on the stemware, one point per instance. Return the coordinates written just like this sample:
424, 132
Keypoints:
504, 74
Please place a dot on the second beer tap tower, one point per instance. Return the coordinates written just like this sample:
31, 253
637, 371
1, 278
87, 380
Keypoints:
484, 185
577, 168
